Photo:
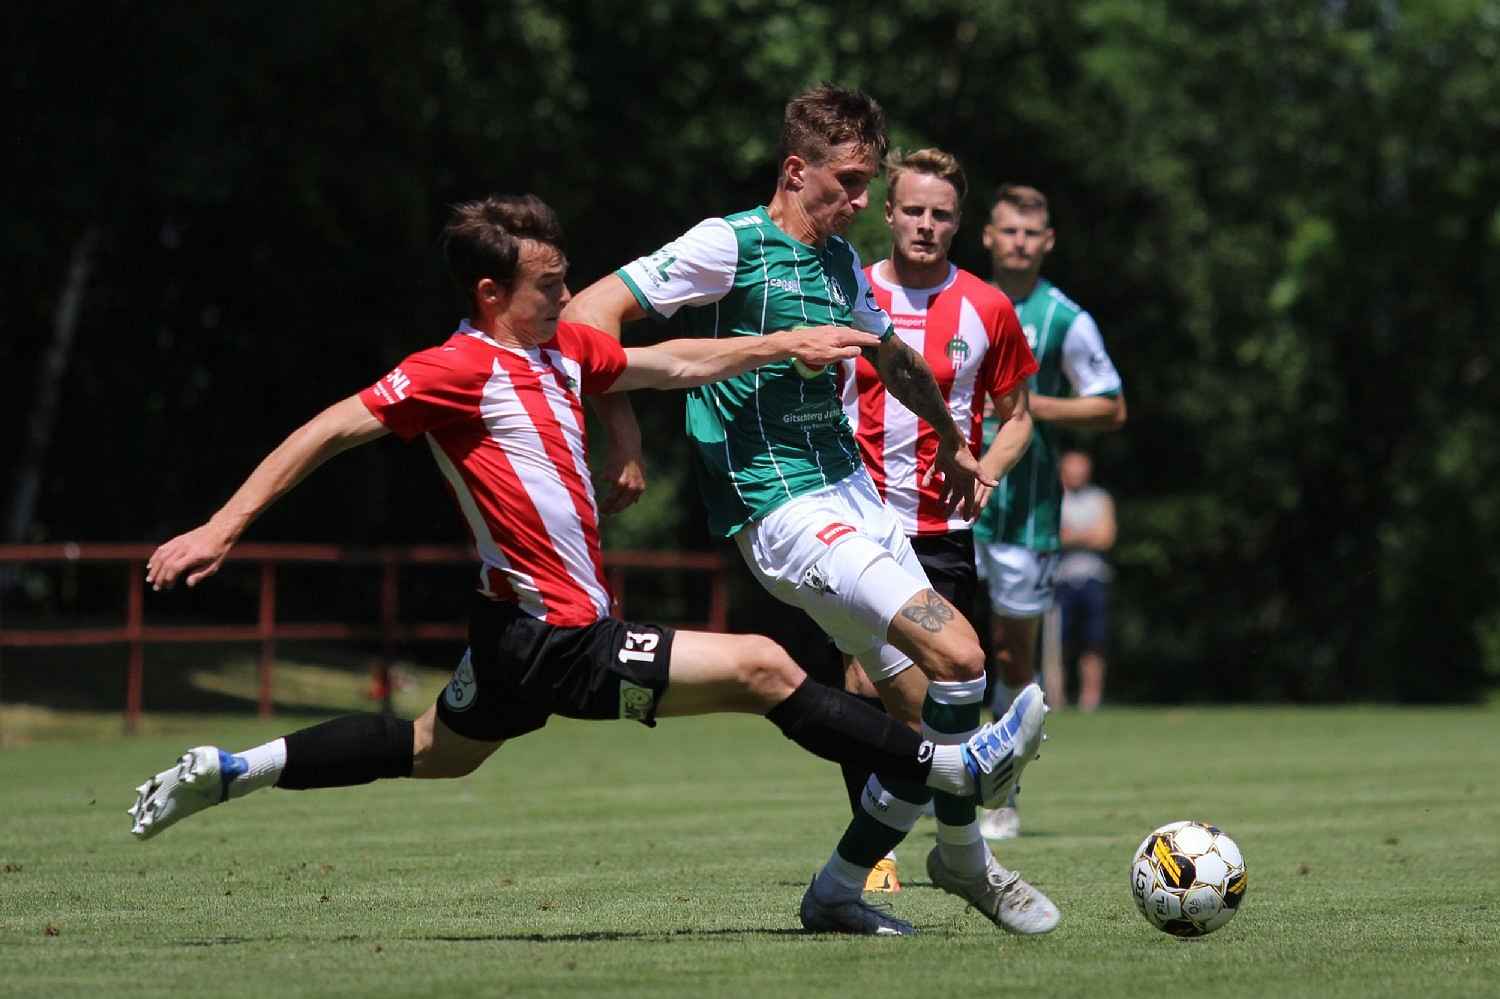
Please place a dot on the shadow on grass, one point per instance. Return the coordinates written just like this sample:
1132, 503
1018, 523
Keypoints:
611, 935
590, 936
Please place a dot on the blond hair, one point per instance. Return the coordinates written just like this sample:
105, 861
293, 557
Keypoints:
931, 161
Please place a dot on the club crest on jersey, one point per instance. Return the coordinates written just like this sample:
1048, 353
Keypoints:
836, 290
957, 351
463, 689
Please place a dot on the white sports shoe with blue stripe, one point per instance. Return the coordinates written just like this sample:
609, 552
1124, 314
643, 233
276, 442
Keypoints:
200, 778
998, 752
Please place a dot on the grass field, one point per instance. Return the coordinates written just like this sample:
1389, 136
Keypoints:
608, 859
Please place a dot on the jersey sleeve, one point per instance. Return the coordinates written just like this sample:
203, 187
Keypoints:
600, 357
1085, 361
1009, 360
428, 390
868, 315
696, 268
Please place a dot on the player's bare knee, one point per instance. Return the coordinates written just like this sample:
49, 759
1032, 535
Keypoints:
442, 763
435, 757
968, 663
954, 661
766, 672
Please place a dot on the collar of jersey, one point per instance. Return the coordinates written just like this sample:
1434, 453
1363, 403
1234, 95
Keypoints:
1040, 281
467, 330
893, 286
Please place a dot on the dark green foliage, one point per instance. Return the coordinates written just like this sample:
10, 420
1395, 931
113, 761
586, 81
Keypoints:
1283, 215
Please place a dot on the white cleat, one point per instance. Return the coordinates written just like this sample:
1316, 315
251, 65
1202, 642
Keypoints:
999, 895
998, 752
197, 781
1000, 823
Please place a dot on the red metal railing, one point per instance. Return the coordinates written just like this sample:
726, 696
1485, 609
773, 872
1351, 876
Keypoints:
136, 634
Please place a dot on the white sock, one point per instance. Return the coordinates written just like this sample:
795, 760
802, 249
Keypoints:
839, 880
264, 764
949, 773
963, 848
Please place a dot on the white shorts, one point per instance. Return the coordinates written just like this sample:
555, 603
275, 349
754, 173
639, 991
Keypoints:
1019, 579
840, 555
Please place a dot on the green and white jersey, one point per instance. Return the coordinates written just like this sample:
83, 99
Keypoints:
769, 434
1026, 507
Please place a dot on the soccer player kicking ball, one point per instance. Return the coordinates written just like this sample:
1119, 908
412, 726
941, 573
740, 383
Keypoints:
781, 474
500, 405
967, 332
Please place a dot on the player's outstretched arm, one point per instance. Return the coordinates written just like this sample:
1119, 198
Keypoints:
908, 378
606, 305
199, 553
686, 363
1089, 412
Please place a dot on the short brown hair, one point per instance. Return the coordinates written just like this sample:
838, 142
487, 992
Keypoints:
483, 238
1022, 198
934, 162
829, 115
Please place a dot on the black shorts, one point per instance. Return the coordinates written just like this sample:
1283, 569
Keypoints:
520, 671
949, 562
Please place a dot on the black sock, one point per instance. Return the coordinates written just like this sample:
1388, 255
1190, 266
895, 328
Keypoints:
857, 775
836, 726
354, 749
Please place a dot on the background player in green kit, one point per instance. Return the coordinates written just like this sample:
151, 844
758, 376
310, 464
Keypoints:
1076, 385
781, 475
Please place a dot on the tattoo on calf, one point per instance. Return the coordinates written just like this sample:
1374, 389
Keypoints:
932, 613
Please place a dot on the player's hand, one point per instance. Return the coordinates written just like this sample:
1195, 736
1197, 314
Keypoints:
196, 554
626, 474
962, 478
981, 496
819, 346
982, 491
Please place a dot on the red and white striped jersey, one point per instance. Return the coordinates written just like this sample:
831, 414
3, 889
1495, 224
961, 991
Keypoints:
967, 331
506, 426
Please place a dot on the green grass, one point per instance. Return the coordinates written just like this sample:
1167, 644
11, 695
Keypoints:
608, 859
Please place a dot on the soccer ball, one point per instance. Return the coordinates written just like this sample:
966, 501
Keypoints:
1188, 878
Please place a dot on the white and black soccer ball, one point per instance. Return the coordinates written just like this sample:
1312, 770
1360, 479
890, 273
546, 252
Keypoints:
1188, 878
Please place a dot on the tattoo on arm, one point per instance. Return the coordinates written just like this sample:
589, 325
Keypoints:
908, 378
931, 614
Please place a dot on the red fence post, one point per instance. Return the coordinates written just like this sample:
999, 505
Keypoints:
265, 625
134, 621
616, 577
390, 597
718, 601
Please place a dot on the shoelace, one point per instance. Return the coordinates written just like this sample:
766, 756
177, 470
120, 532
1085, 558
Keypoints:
1009, 892
989, 752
